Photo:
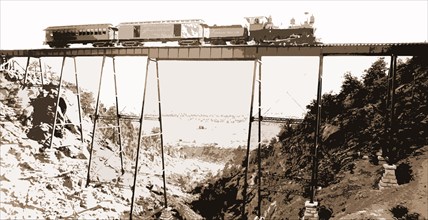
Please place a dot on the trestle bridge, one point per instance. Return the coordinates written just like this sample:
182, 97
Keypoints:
211, 53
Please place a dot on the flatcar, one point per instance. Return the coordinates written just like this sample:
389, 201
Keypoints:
259, 30
95, 34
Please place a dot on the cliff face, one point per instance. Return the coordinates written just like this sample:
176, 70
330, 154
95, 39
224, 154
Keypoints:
352, 133
49, 183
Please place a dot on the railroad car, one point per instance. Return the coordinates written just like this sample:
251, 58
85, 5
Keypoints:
220, 35
259, 30
95, 34
262, 31
186, 32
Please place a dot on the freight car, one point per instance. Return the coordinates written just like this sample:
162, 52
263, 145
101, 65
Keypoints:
185, 32
260, 30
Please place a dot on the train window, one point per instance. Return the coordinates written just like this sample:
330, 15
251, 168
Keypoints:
104, 31
137, 31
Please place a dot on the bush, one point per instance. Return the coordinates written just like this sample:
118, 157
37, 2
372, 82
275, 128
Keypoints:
88, 103
404, 173
325, 213
399, 211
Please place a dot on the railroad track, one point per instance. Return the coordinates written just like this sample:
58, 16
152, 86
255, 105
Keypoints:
232, 52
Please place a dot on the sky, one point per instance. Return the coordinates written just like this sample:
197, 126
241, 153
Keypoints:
218, 87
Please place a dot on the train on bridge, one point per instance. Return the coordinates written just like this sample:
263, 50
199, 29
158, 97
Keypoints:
259, 30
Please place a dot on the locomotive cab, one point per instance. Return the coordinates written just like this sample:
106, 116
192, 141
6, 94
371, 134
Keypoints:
257, 23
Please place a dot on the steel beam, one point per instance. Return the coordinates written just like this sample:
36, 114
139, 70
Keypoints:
314, 176
232, 52
247, 154
140, 132
390, 116
41, 70
161, 134
26, 71
118, 116
259, 139
95, 122
78, 98
57, 101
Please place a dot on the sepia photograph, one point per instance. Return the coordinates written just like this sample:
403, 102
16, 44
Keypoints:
258, 110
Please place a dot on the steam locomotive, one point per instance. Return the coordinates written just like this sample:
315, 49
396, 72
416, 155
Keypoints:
259, 30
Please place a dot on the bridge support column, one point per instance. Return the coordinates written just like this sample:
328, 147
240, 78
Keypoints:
251, 120
161, 134
59, 97
389, 144
95, 122
389, 179
389, 148
26, 71
78, 96
259, 139
97, 116
118, 117
311, 211
140, 135
314, 176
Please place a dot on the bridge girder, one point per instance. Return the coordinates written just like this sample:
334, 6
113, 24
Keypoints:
246, 52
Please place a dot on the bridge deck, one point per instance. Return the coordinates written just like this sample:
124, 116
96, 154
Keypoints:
246, 52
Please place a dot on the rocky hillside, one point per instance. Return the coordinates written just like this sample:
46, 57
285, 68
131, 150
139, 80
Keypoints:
352, 134
49, 183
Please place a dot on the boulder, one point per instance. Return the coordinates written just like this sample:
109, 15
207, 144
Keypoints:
329, 131
40, 132
4, 94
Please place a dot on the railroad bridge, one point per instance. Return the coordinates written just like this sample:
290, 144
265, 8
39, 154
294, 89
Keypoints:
246, 52
238, 53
